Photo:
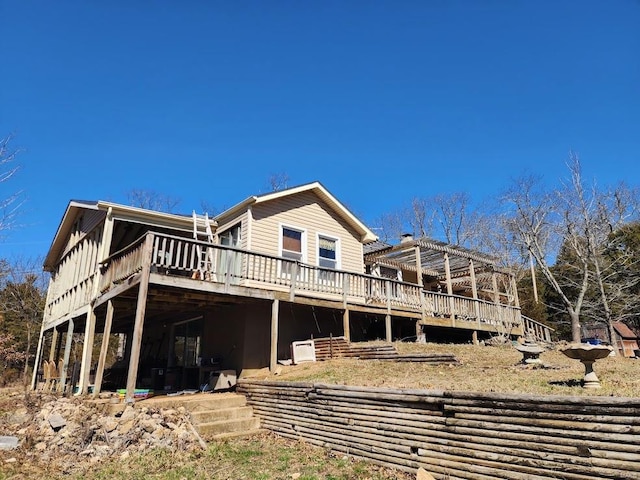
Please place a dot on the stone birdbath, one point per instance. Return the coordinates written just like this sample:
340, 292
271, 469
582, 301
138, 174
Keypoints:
588, 354
530, 353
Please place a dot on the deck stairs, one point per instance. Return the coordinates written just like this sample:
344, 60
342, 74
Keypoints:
215, 416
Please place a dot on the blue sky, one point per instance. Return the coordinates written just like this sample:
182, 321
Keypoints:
381, 101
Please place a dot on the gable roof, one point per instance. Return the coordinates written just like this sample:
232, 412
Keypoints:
623, 330
366, 235
119, 212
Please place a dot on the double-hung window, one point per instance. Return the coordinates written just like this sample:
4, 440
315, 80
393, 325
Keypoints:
328, 257
292, 248
327, 252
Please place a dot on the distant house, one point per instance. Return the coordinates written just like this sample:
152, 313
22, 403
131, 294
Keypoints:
187, 294
625, 341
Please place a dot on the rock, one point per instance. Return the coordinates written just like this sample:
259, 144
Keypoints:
40, 446
56, 421
110, 425
8, 442
126, 427
128, 413
422, 474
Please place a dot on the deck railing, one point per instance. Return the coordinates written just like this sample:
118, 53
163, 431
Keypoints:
173, 255
536, 330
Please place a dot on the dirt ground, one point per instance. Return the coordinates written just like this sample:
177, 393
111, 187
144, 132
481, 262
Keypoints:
94, 444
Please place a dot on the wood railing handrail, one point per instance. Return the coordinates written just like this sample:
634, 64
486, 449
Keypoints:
172, 252
529, 319
128, 248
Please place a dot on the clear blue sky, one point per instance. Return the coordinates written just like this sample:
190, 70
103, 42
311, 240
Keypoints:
380, 101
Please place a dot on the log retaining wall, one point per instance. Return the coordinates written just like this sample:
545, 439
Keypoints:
459, 435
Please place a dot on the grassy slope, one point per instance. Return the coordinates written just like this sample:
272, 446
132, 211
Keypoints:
482, 369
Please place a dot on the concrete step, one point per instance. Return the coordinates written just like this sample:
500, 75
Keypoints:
230, 435
211, 429
197, 402
208, 416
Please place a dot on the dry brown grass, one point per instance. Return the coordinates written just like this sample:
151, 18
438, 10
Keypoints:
482, 369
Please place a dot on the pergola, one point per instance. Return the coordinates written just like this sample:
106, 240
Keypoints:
459, 270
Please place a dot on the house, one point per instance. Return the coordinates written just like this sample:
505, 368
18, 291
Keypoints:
625, 341
188, 295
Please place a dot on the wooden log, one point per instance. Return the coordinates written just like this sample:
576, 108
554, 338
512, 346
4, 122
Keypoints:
584, 409
553, 423
588, 419
421, 435
489, 435
500, 425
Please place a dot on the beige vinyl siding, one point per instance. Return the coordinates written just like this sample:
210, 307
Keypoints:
305, 211
85, 222
240, 217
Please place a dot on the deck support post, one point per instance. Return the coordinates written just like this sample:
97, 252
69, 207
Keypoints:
52, 347
346, 328
387, 327
87, 351
106, 336
273, 360
36, 361
474, 337
67, 354
136, 342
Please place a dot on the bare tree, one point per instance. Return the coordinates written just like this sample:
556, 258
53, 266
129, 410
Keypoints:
613, 211
9, 203
152, 200
567, 220
456, 218
22, 297
419, 216
388, 227
278, 181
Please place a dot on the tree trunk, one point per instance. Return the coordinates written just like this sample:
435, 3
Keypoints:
26, 359
576, 333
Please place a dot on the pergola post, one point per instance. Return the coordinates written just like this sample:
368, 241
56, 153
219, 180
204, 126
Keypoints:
141, 306
419, 266
106, 335
273, 359
494, 283
514, 287
447, 271
474, 291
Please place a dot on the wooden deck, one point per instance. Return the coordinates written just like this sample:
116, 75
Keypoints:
189, 264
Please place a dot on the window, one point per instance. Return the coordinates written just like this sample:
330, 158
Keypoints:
292, 248
292, 243
327, 252
231, 237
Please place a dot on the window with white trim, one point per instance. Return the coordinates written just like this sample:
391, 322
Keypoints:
327, 252
292, 240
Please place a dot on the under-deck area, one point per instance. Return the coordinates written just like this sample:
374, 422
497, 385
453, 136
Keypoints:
183, 309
